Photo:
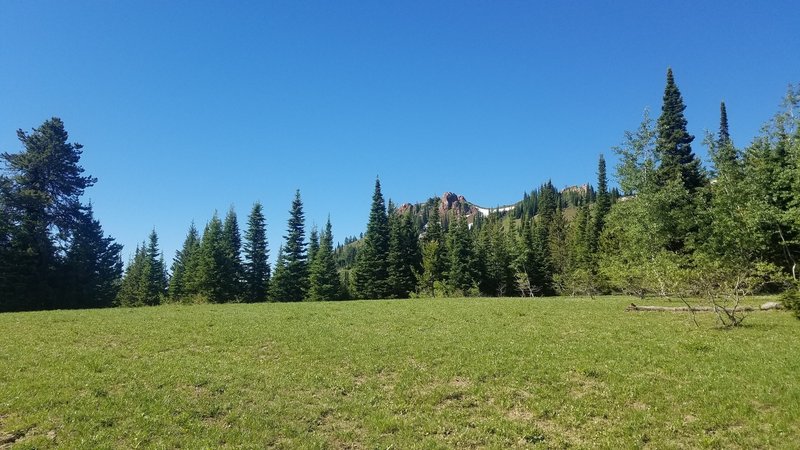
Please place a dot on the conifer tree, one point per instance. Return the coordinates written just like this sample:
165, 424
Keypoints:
673, 146
460, 249
313, 243
133, 288
93, 268
371, 272
292, 284
233, 269
256, 265
602, 203
279, 287
404, 257
324, 279
433, 254
184, 267
42, 196
213, 259
145, 280
156, 270
725, 151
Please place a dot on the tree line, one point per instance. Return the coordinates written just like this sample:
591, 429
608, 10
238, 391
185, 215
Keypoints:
672, 227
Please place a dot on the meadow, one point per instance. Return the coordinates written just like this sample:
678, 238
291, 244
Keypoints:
438, 373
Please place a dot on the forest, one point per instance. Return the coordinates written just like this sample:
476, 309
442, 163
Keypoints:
673, 227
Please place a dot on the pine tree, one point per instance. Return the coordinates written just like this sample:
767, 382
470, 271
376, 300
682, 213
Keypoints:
460, 249
256, 266
404, 257
433, 255
292, 284
371, 272
133, 289
93, 268
725, 151
233, 269
279, 287
724, 135
213, 258
313, 243
42, 194
145, 280
601, 208
673, 146
184, 267
156, 271
324, 279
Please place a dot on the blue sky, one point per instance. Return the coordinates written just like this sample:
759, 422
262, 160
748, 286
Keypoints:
189, 107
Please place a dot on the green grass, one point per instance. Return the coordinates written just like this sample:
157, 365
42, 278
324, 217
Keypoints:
456, 373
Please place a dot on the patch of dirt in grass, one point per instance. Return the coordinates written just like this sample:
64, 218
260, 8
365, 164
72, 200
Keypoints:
340, 431
461, 383
519, 415
638, 406
583, 384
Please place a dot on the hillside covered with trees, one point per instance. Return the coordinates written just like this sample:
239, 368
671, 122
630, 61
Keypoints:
673, 227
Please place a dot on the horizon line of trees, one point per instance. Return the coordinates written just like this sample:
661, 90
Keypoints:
673, 228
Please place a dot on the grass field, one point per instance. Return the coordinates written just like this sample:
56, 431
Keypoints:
498, 373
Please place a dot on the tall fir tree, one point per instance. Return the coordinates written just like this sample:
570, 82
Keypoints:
157, 273
93, 268
256, 265
673, 145
725, 151
42, 197
184, 267
292, 284
313, 243
324, 278
461, 275
404, 255
234, 271
212, 273
371, 272
433, 264
145, 280
602, 205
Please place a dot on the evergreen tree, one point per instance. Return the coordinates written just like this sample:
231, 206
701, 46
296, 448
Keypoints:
292, 284
461, 274
724, 135
433, 254
256, 266
313, 243
673, 146
93, 268
42, 195
155, 271
233, 269
726, 153
602, 204
371, 272
279, 287
404, 256
184, 267
145, 280
324, 279
212, 273
133, 289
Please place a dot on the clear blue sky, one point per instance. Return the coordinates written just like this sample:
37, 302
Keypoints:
187, 107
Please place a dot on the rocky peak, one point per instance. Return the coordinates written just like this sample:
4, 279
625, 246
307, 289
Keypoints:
454, 202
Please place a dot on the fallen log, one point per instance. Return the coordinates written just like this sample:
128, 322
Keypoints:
765, 307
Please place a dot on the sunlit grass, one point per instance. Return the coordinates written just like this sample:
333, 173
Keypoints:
458, 373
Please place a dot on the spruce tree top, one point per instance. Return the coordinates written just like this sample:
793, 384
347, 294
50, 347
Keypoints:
674, 141
724, 135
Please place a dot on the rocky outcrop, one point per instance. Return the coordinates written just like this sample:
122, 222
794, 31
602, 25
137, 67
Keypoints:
457, 203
